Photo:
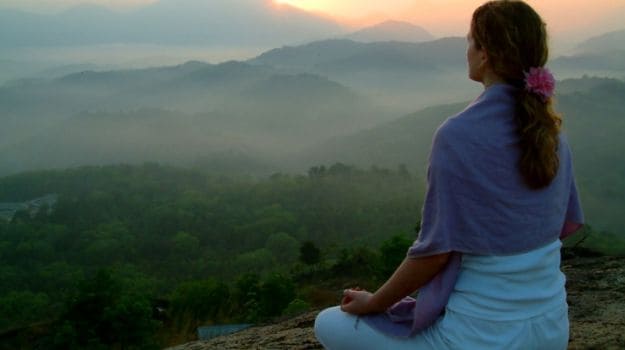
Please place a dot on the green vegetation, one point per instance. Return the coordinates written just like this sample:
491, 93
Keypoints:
596, 242
123, 242
138, 257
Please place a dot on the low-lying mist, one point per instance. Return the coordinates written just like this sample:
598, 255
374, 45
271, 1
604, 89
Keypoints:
289, 109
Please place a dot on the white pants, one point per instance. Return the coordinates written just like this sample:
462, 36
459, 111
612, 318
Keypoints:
337, 330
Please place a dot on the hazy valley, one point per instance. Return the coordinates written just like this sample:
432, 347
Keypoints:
295, 107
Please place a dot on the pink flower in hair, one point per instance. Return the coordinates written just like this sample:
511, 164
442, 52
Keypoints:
541, 82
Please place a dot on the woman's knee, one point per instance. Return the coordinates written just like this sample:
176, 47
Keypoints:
323, 323
329, 323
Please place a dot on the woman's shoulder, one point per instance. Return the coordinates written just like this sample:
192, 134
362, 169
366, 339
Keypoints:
494, 101
494, 108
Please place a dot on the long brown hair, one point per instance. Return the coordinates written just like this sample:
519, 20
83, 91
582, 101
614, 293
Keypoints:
515, 39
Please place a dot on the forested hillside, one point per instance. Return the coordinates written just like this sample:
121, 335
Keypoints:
139, 256
595, 120
123, 240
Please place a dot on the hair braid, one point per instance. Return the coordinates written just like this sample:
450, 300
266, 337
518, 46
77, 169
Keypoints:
515, 38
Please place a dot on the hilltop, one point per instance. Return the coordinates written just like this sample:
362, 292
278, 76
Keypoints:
391, 31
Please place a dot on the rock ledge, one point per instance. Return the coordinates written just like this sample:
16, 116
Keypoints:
596, 296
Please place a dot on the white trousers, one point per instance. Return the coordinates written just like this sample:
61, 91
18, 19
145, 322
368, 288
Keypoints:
337, 330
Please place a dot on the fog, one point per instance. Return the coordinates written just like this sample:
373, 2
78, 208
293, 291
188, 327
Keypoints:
57, 61
268, 110
226, 92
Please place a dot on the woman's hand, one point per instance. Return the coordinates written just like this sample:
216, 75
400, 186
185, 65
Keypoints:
412, 274
357, 302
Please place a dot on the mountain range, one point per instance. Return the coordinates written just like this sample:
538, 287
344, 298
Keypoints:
289, 108
168, 22
605, 43
215, 108
604, 54
387, 79
190, 22
391, 31
399, 75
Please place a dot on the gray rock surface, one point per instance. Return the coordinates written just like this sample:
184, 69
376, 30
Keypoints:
596, 289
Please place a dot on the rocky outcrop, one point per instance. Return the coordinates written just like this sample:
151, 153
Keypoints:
596, 296
596, 288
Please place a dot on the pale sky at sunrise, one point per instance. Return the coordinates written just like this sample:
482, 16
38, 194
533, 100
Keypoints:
441, 17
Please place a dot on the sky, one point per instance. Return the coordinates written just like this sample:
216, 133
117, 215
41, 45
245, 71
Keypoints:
447, 17
47, 6
441, 17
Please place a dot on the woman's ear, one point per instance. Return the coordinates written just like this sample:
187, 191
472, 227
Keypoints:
484, 59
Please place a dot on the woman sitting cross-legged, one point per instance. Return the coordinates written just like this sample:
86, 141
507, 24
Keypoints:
501, 194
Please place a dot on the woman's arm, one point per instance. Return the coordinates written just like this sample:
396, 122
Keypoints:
411, 275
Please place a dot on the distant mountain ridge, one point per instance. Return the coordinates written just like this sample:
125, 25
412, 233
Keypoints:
608, 42
391, 31
398, 74
174, 114
440, 52
180, 22
602, 55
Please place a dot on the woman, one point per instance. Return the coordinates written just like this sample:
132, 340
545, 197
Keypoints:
501, 194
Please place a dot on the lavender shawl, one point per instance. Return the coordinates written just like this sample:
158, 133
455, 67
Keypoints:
478, 203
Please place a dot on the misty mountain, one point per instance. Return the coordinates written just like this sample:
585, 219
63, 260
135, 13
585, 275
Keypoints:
603, 55
173, 114
612, 63
406, 140
402, 76
177, 22
608, 42
122, 137
584, 84
122, 89
594, 119
447, 52
13, 69
391, 31
193, 87
339, 87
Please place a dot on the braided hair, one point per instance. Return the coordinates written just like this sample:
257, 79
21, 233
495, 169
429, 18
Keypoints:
515, 38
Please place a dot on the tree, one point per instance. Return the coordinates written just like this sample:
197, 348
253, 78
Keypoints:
130, 320
20, 308
358, 262
276, 292
202, 300
185, 245
309, 253
283, 247
392, 253
246, 297
296, 307
106, 314
258, 261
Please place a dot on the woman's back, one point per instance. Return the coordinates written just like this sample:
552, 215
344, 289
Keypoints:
507, 288
506, 302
